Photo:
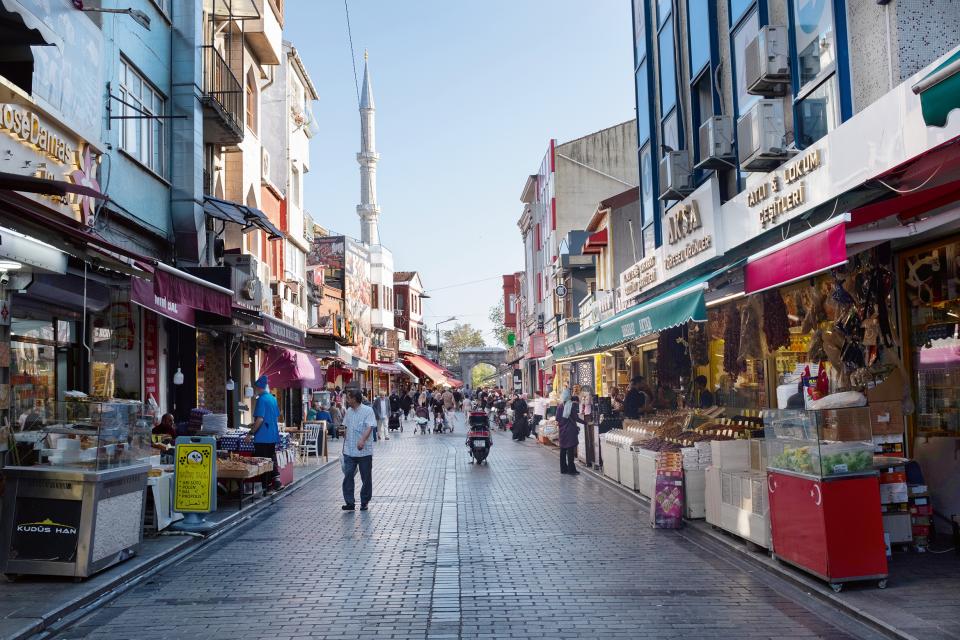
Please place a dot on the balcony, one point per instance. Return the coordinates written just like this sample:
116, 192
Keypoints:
289, 312
222, 100
265, 35
589, 314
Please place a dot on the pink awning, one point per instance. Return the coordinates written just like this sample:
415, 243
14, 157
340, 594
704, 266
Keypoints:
192, 294
288, 368
797, 258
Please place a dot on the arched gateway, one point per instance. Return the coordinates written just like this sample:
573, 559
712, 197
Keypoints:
469, 358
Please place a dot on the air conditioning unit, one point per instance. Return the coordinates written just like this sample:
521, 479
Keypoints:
244, 279
264, 162
761, 137
767, 62
676, 180
716, 143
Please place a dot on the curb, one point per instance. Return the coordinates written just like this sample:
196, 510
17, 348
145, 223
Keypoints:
51, 622
700, 529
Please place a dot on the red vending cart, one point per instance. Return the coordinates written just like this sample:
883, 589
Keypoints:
824, 495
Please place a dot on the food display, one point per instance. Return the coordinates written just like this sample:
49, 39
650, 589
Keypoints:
817, 443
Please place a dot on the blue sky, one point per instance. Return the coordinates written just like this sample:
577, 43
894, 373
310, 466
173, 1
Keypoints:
468, 95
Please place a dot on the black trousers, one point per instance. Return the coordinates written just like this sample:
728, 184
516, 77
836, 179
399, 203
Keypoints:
366, 477
269, 451
567, 456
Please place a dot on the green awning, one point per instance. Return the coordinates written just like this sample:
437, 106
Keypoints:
939, 91
675, 307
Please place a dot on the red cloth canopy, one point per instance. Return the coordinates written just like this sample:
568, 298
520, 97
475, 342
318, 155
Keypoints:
287, 368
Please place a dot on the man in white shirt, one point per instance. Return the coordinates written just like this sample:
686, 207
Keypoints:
381, 411
359, 423
540, 405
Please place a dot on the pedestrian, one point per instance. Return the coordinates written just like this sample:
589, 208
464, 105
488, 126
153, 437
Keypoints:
539, 411
702, 396
568, 419
336, 414
357, 450
394, 402
636, 400
265, 430
521, 424
381, 411
406, 402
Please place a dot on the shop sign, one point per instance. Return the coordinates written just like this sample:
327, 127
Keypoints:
141, 292
783, 191
195, 475
538, 345
382, 354
638, 277
46, 529
283, 331
151, 363
691, 229
41, 149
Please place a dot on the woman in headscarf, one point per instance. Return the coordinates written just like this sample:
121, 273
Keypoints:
568, 417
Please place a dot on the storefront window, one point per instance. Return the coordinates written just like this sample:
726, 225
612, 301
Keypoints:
932, 291
39, 375
818, 113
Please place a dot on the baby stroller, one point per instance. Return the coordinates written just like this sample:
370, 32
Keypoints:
394, 423
423, 419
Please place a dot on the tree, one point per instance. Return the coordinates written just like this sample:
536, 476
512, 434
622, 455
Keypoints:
455, 340
500, 330
483, 374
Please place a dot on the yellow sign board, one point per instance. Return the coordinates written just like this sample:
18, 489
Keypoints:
195, 475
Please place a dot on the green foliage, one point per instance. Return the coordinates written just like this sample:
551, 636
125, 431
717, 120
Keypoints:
500, 331
462, 336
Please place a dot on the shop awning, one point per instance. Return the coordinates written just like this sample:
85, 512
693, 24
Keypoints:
406, 372
814, 251
389, 368
431, 370
337, 370
237, 213
595, 242
939, 91
46, 186
287, 368
671, 309
187, 289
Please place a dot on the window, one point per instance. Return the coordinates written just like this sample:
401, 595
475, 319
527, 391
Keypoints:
143, 138
295, 186
702, 107
250, 92
663, 10
375, 296
400, 302
668, 69
814, 39
671, 132
698, 25
649, 240
639, 30
737, 9
741, 38
818, 112
646, 184
643, 104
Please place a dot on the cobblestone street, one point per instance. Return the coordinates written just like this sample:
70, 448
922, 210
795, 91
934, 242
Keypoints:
511, 549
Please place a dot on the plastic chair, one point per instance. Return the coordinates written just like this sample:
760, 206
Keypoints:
311, 439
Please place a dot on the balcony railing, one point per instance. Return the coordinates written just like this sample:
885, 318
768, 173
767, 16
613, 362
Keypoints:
223, 93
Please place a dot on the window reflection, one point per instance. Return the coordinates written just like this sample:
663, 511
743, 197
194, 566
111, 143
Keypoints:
741, 38
814, 38
668, 74
698, 21
819, 112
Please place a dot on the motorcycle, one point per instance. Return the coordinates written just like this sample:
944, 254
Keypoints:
478, 437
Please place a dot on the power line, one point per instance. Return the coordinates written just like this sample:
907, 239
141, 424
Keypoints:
353, 55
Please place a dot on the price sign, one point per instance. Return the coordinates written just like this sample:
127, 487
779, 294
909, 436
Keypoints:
195, 475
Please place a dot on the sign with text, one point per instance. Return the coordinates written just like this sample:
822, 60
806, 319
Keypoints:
195, 475
283, 331
45, 529
691, 231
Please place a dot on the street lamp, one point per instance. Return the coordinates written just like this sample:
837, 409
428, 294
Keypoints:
138, 16
450, 319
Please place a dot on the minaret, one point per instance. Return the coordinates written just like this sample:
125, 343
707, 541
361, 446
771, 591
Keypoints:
368, 210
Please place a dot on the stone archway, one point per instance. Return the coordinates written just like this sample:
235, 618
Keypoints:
469, 358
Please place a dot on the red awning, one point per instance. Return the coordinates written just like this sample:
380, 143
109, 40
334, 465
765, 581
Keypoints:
429, 369
819, 249
595, 242
388, 367
188, 290
287, 368
338, 370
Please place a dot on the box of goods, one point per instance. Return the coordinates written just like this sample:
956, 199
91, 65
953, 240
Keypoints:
889, 390
898, 527
919, 490
666, 510
921, 509
669, 463
691, 458
888, 444
886, 418
893, 492
694, 493
705, 452
846, 425
894, 507
921, 531
731, 455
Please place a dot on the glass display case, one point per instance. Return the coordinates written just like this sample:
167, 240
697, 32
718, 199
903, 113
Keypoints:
820, 444
96, 435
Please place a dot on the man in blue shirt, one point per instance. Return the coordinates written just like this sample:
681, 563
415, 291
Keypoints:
319, 412
265, 431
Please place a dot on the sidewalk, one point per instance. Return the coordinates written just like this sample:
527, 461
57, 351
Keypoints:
33, 603
921, 601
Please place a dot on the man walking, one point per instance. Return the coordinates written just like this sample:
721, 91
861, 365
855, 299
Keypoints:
381, 411
265, 431
359, 423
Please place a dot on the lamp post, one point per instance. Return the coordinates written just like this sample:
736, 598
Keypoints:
450, 319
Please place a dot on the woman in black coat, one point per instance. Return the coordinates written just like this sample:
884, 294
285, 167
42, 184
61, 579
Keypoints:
521, 423
568, 419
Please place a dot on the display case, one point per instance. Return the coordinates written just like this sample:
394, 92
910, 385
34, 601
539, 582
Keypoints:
81, 509
820, 444
824, 494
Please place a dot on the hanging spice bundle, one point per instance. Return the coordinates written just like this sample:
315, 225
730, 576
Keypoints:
731, 341
750, 347
776, 325
672, 359
697, 344
815, 312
